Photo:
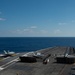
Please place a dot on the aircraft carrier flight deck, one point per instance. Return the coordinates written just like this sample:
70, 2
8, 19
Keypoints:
49, 61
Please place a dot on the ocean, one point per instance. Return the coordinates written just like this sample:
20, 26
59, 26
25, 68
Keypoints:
26, 44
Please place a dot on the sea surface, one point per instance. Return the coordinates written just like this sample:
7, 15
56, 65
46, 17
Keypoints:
26, 44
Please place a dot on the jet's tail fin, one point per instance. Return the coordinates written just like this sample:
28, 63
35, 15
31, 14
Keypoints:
5, 52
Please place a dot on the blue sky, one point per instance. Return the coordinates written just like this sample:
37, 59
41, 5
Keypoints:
37, 18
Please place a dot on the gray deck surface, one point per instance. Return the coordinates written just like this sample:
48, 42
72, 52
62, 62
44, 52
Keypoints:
38, 68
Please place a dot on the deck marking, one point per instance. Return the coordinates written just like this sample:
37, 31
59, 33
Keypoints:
62, 69
8, 64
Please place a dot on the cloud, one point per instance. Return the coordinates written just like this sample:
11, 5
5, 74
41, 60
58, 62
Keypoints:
44, 31
18, 31
33, 27
2, 19
28, 30
73, 21
57, 31
23, 31
61, 23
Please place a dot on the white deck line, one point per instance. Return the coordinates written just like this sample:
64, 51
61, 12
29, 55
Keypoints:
8, 64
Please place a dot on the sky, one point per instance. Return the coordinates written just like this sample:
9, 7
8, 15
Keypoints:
37, 18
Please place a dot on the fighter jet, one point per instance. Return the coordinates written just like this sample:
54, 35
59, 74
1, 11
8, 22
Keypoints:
8, 53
